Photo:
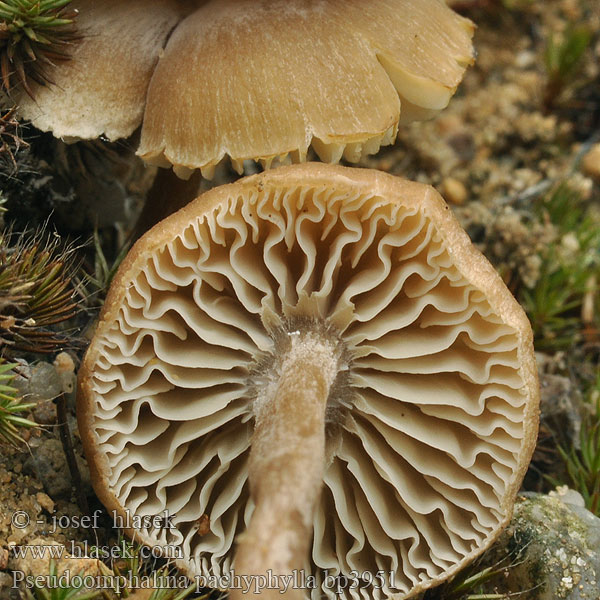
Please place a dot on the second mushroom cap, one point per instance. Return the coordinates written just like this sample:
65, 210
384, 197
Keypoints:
253, 79
266, 79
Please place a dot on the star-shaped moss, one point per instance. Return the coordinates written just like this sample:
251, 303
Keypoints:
34, 34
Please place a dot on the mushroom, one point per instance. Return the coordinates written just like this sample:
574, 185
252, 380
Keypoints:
315, 364
254, 79
101, 91
265, 79
250, 79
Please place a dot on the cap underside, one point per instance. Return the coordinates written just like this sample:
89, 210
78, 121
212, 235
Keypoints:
430, 432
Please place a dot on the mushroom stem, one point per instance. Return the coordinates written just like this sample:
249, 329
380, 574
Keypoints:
286, 466
168, 194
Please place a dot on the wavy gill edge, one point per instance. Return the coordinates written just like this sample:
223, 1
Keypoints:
467, 260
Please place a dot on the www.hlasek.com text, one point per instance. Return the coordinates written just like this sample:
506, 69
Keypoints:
123, 550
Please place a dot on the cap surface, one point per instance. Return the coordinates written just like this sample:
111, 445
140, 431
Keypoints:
102, 89
265, 79
431, 422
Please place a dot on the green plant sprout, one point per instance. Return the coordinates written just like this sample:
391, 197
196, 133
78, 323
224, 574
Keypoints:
34, 35
583, 463
466, 585
35, 293
103, 272
562, 59
125, 564
567, 210
11, 407
92, 285
56, 592
554, 304
129, 564
129, 561
475, 581
163, 592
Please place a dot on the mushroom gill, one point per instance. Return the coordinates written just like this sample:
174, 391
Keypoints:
344, 308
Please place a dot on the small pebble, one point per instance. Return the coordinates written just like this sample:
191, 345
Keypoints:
454, 191
525, 58
45, 502
590, 165
568, 496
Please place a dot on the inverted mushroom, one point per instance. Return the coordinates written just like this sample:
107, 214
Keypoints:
254, 79
316, 363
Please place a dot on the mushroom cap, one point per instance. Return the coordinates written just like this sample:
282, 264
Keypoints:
102, 89
431, 423
265, 79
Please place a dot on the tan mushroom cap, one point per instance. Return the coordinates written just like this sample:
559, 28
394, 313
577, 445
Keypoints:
266, 79
431, 414
102, 89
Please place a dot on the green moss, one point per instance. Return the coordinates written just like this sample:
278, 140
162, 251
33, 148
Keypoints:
549, 539
35, 292
583, 463
554, 304
12, 407
34, 35
562, 58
